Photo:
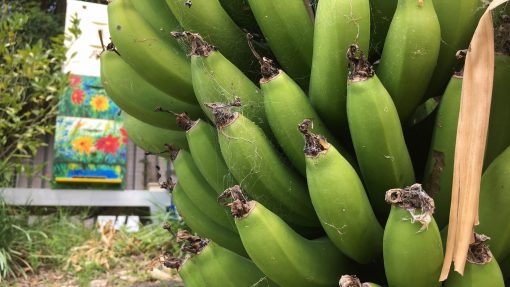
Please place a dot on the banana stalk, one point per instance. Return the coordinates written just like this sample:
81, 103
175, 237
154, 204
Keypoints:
340, 200
410, 54
439, 168
283, 255
328, 85
481, 268
151, 138
376, 134
158, 59
412, 246
136, 96
288, 29
261, 171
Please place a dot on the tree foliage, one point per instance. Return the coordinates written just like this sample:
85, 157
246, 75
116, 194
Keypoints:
31, 57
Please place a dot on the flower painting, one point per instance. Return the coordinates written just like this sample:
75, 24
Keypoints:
85, 97
89, 148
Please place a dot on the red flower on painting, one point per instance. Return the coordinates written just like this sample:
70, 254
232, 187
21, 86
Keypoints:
124, 135
108, 144
77, 97
74, 81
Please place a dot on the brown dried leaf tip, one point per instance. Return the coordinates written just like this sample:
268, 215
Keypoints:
314, 144
199, 47
239, 206
192, 244
416, 201
359, 67
184, 121
172, 150
222, 113
478, 252
268, 68
170, 261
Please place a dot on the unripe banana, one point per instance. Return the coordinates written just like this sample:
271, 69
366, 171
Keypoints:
158, 59
376, 134
412, 248
381, 12
498, 138
191, 275
288, 28
283, 255
208, 18
410, 54
137, 97
286, 106
439, 168
224, 268
150, 138
353, 281
328, 88
205, 150
456, 33
216, 79
340, 200
481, 268
199, 191
493, 211
159, 16
203, 224
261, 171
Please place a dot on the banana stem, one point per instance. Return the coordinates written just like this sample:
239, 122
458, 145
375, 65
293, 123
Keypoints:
413, 198
240, 206
479, 252
192, 243
267, 67
359, 67
184, 121
222, 113
314, 144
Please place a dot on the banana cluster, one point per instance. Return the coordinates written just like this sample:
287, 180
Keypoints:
300, 161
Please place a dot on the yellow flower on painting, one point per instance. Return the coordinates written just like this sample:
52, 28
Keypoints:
99, 103
83, 144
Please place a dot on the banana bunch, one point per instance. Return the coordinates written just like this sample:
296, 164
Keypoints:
313, 141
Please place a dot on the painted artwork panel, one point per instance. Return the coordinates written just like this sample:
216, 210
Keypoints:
85, 97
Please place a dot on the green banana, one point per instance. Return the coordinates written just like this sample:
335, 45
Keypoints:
191, 275
159, 16
136, 96
412, 246
328, 89
199, 192
376, 134
456, 33
240, 12
410, 54
288, 28
481, 268
208, 18
224, 268
340, 200
286, 106
353, 281
150, 138
203, 224
259, 168
216, 79
283, 255
381, 12
158, 59
493, 212
205, 150
498, 138
439, 168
